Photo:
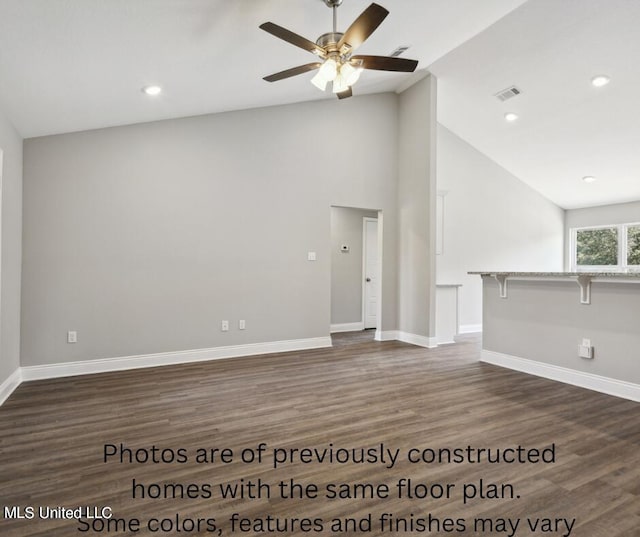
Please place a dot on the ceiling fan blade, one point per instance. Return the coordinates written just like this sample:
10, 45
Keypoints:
362, 28
294, 39
292, 72
346, 93
385, 63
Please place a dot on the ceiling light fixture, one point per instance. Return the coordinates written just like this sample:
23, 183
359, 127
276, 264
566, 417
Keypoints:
600, 80
589, 179
335, 61
327, 73
340, 83
319, 81
343, 76
152, 90
510, 116
350, 73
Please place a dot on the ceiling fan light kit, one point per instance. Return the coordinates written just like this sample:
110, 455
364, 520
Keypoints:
339, 66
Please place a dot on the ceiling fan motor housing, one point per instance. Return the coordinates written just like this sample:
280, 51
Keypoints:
329, 41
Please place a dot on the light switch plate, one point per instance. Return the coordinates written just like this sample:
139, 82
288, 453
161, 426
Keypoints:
311, 256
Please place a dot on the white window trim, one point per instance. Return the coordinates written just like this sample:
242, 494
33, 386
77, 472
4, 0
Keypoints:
622, 230
625, 229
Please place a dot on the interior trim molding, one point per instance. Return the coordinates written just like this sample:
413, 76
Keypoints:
10, 384
406, 337
347, 327
87, 367
618, 388
470, 328
420, 341
386, 335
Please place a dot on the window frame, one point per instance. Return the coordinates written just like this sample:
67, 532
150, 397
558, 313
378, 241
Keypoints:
625, 234
622, 231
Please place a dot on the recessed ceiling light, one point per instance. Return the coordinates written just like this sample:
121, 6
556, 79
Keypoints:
510, 116
152, 90
589, 179
600, 80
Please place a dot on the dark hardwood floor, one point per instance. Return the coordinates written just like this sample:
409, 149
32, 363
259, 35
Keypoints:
359, 394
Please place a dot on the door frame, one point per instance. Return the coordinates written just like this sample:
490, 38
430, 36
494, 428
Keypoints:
366, 219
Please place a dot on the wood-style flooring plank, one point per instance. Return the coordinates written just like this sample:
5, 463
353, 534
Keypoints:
360, 393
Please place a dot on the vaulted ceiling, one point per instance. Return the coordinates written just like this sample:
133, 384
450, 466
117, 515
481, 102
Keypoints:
566, 129
70, 65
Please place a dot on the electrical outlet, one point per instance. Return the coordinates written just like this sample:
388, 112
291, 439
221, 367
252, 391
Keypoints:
242, 324
224, 326
585, 350
72, 336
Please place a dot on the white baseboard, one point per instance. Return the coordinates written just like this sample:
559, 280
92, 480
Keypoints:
386, 335
420, 341
470, 328
347, 327
618, 388
87, 367
406, 337
8, 386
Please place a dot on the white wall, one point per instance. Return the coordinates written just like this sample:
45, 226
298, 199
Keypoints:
346, 267
143, 238
416, 207
492, 221
544, 323
620, 213
11, 244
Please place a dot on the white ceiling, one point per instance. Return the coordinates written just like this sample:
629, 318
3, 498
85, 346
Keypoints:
70, 65
567, 129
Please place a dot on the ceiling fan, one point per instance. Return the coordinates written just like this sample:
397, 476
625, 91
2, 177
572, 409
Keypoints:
335, 49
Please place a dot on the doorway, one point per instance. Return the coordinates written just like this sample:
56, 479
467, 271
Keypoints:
370, 272
355, 258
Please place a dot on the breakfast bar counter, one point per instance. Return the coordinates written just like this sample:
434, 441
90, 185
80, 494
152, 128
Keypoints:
583, 279
581, 328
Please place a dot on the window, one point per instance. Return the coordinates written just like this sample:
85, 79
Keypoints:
606, 248
633, 245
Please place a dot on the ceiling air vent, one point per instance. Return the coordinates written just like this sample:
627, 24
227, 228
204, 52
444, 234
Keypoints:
508, 93
400, 50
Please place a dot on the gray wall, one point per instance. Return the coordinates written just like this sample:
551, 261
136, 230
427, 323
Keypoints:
346, 267
544, 321
11, 144
416, 208
620, 213
143, 238
492, 221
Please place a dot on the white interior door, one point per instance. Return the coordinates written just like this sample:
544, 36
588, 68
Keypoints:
371, 272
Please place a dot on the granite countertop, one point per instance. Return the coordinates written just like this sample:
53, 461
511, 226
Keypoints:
558, 274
